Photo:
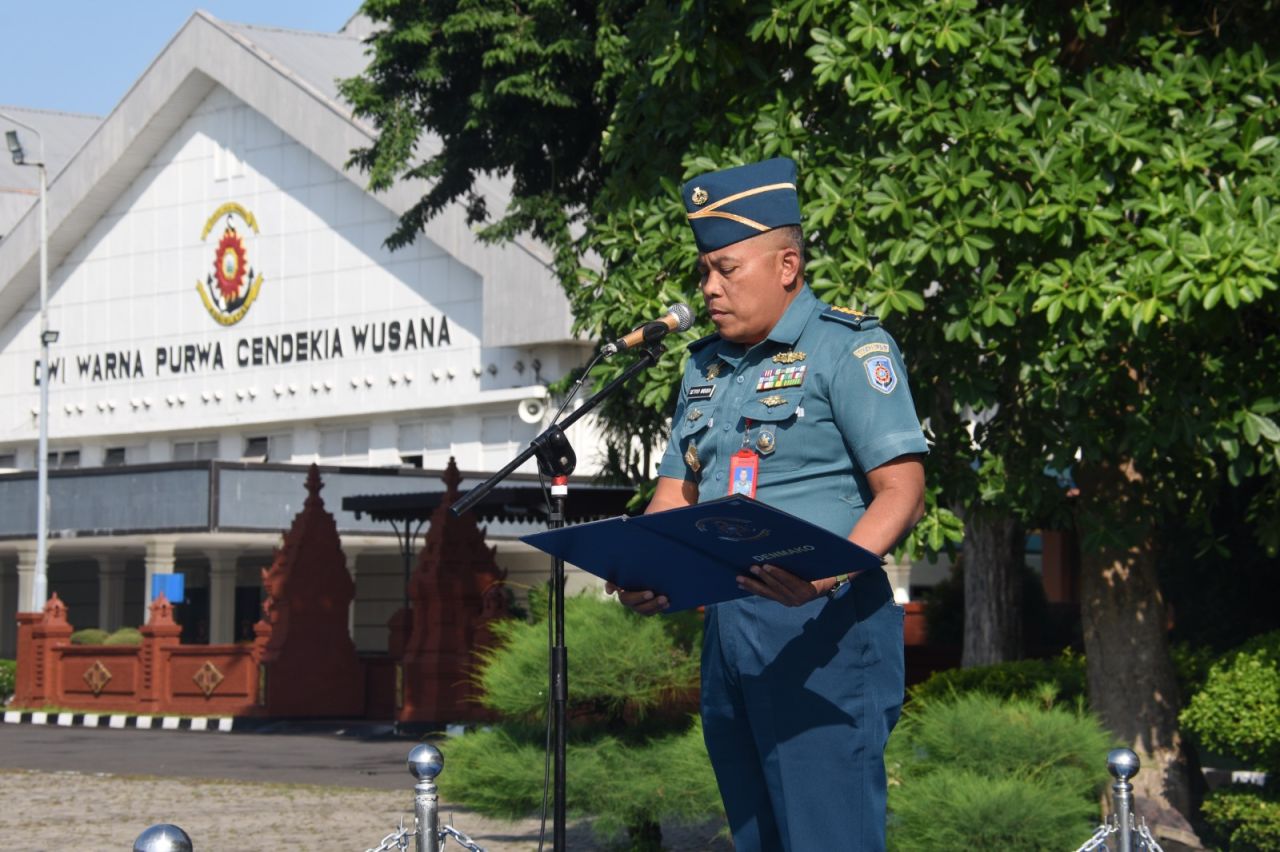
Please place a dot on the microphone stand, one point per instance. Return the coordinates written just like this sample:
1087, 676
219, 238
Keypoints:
557, 460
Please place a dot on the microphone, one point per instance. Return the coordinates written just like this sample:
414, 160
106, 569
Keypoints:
679, 318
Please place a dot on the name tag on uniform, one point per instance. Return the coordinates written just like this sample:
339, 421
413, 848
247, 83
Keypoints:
701, 392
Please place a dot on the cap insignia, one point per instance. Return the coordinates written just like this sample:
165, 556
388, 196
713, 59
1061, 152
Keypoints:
699, 196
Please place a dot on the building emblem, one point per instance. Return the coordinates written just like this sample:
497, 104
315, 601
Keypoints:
231, 288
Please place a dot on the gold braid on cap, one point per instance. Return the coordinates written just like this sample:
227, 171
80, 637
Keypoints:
714, 211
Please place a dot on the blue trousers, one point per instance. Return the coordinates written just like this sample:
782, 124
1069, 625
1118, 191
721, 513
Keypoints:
797, 705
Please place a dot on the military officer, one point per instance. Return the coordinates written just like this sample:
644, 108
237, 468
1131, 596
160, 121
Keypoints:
806, 407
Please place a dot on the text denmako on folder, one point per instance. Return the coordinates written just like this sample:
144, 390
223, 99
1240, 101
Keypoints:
694, 554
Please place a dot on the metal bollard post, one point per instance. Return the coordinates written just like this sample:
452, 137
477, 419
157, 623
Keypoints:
425, 763
1123, 764
162, 837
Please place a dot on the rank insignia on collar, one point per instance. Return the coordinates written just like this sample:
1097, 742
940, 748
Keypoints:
695, 415
771, 401
774, 378
766, 443
788, 357
691, 457
713, 370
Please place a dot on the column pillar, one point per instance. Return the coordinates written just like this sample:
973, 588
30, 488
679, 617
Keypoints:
899, 574
111, 592
27, 578
8, 606
352, 554
222, 597
159, 560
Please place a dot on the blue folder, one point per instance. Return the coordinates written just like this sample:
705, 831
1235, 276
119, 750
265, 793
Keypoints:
694, 554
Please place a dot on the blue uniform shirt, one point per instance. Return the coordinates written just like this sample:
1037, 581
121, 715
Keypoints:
821, 400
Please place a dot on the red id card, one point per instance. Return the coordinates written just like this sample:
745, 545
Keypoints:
743, 468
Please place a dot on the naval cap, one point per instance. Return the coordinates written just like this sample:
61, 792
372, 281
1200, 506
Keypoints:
734, 204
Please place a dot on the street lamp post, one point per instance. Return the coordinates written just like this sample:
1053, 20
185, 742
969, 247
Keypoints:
40, 582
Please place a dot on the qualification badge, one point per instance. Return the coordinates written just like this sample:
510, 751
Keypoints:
788, 357
691, 457
765, 443
694, 416
771, 401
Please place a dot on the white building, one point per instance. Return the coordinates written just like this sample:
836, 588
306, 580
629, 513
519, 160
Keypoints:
224, 303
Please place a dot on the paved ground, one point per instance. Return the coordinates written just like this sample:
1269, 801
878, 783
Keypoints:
90, 789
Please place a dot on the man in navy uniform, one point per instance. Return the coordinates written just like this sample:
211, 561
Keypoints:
801, 681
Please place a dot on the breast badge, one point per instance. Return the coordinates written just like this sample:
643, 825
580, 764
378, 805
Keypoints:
691, 458
694, 416
788, 357
771, 401
713, 370
765, 443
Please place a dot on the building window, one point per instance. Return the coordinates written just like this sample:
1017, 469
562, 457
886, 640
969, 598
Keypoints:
345, 444
195, 450
8, 460
114, 457
64, 459
276, 448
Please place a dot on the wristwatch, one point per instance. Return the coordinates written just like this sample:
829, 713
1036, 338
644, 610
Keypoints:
841, 579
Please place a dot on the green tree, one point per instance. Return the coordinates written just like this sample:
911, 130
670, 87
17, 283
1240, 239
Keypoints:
1063, 211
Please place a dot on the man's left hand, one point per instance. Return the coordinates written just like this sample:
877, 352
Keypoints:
778, 584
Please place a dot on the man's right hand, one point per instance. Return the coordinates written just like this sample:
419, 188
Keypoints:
643, 602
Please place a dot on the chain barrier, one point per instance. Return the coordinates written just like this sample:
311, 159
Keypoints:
1131, 832
398, 840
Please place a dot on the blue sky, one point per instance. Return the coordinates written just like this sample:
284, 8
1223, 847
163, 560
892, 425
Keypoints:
83, 55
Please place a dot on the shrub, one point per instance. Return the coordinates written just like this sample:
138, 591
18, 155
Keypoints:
89, 636
1237, 712
1244, 818
124, 636
1061, 680
635, 757
981, 772
621, 785
8, 677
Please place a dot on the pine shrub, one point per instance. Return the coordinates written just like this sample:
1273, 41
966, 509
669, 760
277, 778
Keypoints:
979, 771
635, 746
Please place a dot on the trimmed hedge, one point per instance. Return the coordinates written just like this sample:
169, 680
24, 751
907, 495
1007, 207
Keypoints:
89, 636
124, 636
1058, 680
1244, 818
1237, 712
8, 677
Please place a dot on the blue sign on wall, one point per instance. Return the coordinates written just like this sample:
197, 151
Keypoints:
173, 586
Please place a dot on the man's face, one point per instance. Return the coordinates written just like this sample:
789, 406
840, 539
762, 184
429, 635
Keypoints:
748, 285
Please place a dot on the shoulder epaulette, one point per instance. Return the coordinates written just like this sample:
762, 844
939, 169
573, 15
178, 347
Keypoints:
703, 341
851, 317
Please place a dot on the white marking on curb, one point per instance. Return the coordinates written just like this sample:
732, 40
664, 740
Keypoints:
199, 723
64, 719
91, 720
224, 725
13, 717
169, 723
142, 722
116, 721
39, 718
